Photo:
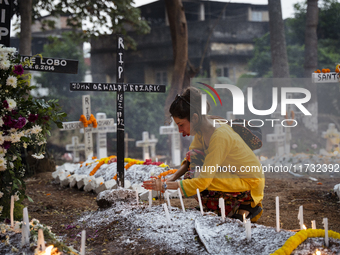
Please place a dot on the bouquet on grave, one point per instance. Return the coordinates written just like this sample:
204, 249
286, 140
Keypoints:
24, 121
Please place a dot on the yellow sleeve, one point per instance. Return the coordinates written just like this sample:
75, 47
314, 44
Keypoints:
196, 143
219, 148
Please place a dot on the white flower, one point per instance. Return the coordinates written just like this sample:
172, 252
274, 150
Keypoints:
11, 165
1, 207
1, 139
16, 197
11, 104
1, 122
14, 158
38, 156
4, 64
3, 161
1, 194
3, 55
2, 150
12, 81
36, 129
15, 138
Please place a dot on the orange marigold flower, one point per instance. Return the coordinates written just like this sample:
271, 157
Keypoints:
48, 194
115, 177
94, 157
171, 171
101, 183
69, 175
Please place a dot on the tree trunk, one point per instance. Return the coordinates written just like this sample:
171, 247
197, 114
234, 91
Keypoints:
179, 36
311, 61
277, 40
25, 27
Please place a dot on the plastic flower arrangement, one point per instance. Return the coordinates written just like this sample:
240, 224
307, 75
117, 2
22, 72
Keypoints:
24, 121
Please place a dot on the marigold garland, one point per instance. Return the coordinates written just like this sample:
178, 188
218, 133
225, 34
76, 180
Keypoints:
86, 122
294, 241
101, 162
171, 171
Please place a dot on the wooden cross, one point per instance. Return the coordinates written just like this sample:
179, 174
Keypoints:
279, 138
146, 143
175, 141
120, 88
88, 130
36, 63
75, 147
126, 141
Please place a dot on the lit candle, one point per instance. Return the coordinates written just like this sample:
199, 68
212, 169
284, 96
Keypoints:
244, 219
248, 229
25, 229
83, 237
137, 198
222, 207
166, 193
11, 211
167, 215
41, 240
300, 216
313, 224
180, 198
277, 214
325, 224
200, 201
150, 198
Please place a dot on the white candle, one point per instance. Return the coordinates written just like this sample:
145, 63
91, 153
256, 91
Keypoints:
11, 211
222, 207
150, 198
248, 229
180, 198
166, 193
313, 224
277, 215
156, 159
325, 224
83, 237
41, 240
137, 198
25, 230
200, 201
167, 215
300, 216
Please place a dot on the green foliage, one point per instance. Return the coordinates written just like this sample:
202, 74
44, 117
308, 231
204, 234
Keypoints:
105, 17
69, 47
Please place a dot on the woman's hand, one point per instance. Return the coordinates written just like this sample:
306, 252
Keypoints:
153, 184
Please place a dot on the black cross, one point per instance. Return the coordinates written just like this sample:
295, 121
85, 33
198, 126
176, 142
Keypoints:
120, 87
37, 64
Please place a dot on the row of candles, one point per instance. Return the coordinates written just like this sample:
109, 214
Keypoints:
25, 232
247, 222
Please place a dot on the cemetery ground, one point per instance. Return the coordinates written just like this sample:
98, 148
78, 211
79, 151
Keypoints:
61, 207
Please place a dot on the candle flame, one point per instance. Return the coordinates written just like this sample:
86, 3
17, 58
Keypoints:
304, 227
244, 217
47, 251
318, 252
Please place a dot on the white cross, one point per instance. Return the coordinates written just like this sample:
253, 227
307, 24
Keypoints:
332, 135
75, 147
107, 126
88, 131
279, 138
145, 143
175, 141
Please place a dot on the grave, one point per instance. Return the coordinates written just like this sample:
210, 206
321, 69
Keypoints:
146, 143
172, 130
75, 147
74, 125
120, 87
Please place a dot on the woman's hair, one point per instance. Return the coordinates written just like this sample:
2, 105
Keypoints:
185, 105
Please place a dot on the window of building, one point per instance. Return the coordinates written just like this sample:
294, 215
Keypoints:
256, 16
162, 77
222, 72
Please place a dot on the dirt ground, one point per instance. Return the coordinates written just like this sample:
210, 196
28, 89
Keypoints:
60, 207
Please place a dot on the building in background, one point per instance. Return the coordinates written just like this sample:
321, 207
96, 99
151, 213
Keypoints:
230, 35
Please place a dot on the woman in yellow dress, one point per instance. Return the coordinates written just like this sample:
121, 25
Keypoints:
220, 161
